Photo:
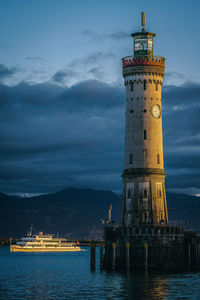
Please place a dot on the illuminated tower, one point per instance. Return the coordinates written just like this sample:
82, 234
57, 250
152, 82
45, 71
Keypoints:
144, 240
144, 198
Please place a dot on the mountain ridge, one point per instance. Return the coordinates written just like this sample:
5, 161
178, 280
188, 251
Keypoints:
77, 213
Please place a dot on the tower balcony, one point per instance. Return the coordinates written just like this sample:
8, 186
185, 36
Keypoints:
143, 64
143, 61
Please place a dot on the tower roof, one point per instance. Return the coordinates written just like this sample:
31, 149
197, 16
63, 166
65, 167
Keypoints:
143, 33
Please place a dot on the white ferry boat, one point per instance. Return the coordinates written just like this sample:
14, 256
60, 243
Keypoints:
44, 243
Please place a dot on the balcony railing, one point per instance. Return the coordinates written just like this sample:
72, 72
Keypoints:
152, 60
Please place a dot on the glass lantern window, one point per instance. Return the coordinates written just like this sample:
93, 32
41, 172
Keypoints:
137, 44
143, 44
150, 44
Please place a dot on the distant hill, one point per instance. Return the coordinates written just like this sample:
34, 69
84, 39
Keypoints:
186, 209
71, 212
78, 212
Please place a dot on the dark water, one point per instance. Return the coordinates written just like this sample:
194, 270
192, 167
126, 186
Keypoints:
53, 276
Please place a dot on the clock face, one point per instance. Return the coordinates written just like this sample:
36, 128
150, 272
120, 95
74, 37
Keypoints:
156, 111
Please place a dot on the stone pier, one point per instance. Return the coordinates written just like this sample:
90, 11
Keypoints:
163, 248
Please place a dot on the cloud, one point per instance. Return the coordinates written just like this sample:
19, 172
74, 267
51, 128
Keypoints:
96, 73
90, 67
35, 58
62, 75
181, 125
90, 34
92, 59
115, 36
54, 136
6, 72
174, 78
174, 74
118, 35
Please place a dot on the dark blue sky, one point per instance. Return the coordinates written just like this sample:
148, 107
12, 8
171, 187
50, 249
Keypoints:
62, 95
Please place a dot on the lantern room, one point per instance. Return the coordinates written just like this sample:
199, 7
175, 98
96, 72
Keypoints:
143, 41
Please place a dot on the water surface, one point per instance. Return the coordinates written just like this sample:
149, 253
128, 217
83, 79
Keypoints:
53, 276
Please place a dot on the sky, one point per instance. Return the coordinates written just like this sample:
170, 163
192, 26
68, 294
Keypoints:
62, 99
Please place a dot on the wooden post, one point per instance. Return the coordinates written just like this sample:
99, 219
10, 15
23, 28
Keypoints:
196, 256
114, 245
127, 255
93, 257
146, 256
189, 257
101, 257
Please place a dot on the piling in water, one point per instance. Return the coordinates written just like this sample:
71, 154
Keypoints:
114, 245
93, 257
146, 256
127, 255
101, 257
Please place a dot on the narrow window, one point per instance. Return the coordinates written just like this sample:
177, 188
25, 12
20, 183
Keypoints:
131, 86
145, 84
145, 193
145, 134
158, 158
159, 193
130, 158
156, 86
146, 217
129, 194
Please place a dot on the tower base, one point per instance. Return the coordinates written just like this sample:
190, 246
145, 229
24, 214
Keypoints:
163, 248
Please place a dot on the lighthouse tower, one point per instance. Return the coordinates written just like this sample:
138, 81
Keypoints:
144, 239
144, 198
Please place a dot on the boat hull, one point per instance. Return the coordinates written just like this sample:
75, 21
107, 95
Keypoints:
45, 249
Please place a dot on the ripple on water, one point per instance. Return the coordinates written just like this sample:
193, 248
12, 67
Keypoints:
59, 276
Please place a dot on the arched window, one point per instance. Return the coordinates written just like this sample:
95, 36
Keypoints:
129, 193
158, 158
